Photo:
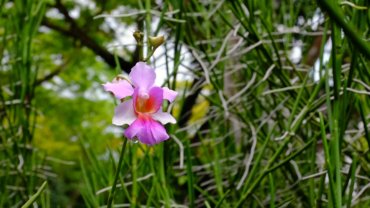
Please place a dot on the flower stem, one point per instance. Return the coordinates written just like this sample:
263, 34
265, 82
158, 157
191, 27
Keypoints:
139, 37
149, 55
111, 193
35, 196
141, 51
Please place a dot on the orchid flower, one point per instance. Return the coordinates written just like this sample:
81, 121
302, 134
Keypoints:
143, 113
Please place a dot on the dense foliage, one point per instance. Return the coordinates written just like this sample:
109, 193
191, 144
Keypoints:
273, 106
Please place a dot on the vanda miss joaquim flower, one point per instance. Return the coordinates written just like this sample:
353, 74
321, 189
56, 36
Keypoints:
143, 111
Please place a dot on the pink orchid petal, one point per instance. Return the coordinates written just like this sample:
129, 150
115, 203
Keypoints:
168, 94
142, 76
158, 131
163, 117
120, 89
147, 131
134, 128
124, 113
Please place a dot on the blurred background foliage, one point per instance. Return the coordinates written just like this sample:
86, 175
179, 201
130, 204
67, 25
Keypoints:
273, 106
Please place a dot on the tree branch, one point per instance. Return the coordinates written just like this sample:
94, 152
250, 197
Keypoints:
55, 72
74, 31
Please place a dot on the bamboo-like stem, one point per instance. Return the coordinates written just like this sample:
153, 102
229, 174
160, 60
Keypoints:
36, 195
337, 16
111, 193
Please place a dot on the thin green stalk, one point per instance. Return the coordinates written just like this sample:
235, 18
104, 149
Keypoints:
89, 195
336, 15
258, 159
189, 174
179, 36
297, 101
148, 24
337, 165
363, 118
347, 98
335, 65
111, 193
35, 196
206, 194
217, 170
320, 191
139, 37
352, 178
312, 183
327, 158
162, 176
223, 198
151, 192
268, 169
293, 155
272, 191
156, 183
151, 51
134, 169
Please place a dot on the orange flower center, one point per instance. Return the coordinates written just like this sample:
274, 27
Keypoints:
145, 104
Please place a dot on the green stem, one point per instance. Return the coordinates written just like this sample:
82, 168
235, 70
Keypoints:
272, 190
150, 54
111, 193
134, 178
190, 174
141, 51
35, 196
353, 179
337, 165
336, 15
139, 37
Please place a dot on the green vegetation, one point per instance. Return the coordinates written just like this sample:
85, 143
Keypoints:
273, 106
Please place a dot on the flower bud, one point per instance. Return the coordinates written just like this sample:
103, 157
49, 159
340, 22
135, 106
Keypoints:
139, 36
156, 41
121, 77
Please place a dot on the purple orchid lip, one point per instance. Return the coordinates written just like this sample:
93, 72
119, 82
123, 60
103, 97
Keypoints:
143, 113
